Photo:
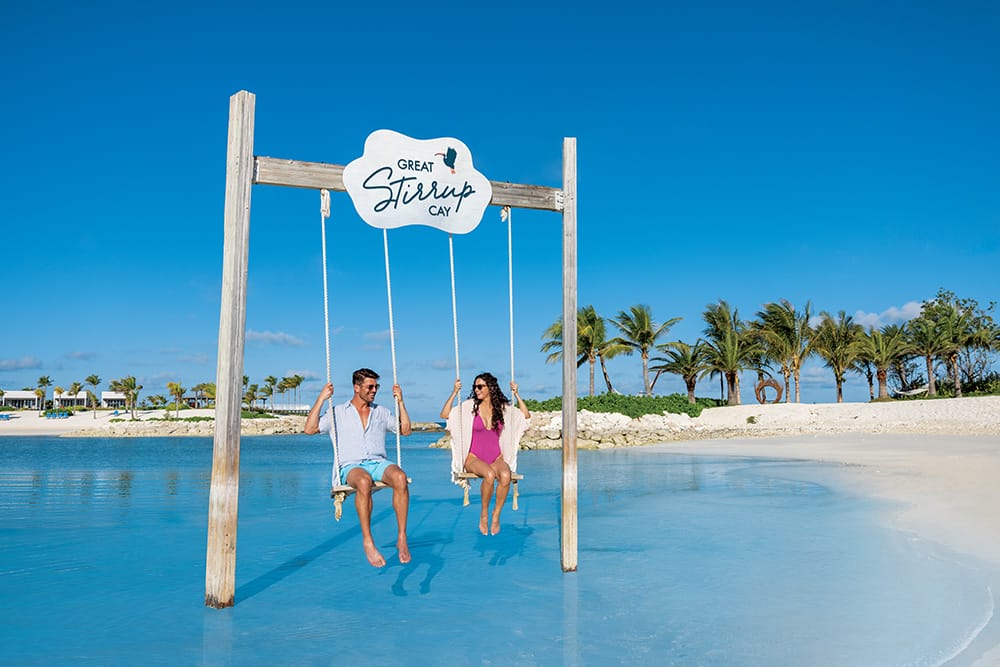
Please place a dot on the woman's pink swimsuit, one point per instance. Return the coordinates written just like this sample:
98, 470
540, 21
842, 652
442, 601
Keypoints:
485, 443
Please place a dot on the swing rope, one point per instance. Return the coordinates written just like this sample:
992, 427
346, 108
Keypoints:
324, 213
506, 215
392, 342
454, 318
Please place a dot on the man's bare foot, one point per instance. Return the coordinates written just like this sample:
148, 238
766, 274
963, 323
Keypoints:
495, 527
404, 550
373, 555
482, 526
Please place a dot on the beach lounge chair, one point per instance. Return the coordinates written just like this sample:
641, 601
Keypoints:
913, 392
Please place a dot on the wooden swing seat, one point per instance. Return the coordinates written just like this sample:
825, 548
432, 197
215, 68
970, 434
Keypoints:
465, 476
471, 475
342, 492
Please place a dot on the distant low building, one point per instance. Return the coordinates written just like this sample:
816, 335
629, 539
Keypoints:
20, 399
113, 399
68, 400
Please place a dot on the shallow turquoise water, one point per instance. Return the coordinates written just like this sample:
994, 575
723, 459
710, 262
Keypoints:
683, 560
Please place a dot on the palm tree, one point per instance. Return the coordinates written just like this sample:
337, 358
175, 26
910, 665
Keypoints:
130, 388
684, 360
927, 339
639, 334
43, 382
250, 396
40, 395
204, 393
787, 337
554, 346
592, 339
591, 343
57, 393
74, 390
956, 327
283, 387
93, 381
863, 366
177, 391
294, 382
837, 341
266, 392
269, 384
964, 327
882, 348
730, 347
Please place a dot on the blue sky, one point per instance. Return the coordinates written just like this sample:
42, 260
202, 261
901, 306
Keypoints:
841, 153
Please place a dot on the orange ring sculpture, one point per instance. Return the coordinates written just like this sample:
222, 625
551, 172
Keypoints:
759, 390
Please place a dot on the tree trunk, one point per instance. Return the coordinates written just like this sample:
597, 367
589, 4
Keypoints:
590, 361
956, 377
787, 374
645, 373
607, 378
797, 398
652, 383
883, 383
840, 390
931, 380
690, 382
733, 381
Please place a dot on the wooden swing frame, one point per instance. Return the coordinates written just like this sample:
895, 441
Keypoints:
243, 171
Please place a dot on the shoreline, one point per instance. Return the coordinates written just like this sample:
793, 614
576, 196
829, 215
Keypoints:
978, 415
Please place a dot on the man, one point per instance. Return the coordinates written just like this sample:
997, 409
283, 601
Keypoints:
361, 427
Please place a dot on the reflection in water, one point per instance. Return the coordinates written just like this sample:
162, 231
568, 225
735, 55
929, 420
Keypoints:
173, 482
87, 487
570, 615
125, 483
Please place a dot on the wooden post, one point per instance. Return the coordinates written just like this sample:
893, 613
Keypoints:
569, 478
220, 565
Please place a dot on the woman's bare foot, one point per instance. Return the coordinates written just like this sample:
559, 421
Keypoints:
482, 525
404, 550
373, 555
495, 527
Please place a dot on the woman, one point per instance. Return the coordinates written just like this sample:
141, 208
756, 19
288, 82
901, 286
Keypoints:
488, 428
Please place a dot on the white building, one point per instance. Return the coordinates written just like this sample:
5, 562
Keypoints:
20, 398
68, 400
112, 399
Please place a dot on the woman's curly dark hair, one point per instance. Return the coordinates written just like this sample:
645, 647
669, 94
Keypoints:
497, 398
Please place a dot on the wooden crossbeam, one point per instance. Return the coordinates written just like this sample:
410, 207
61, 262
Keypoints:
323, 176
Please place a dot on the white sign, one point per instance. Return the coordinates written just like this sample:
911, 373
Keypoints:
401, 181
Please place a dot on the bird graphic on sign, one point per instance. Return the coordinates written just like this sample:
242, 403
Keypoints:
449, 158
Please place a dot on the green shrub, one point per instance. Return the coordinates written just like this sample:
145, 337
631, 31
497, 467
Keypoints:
630, 406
